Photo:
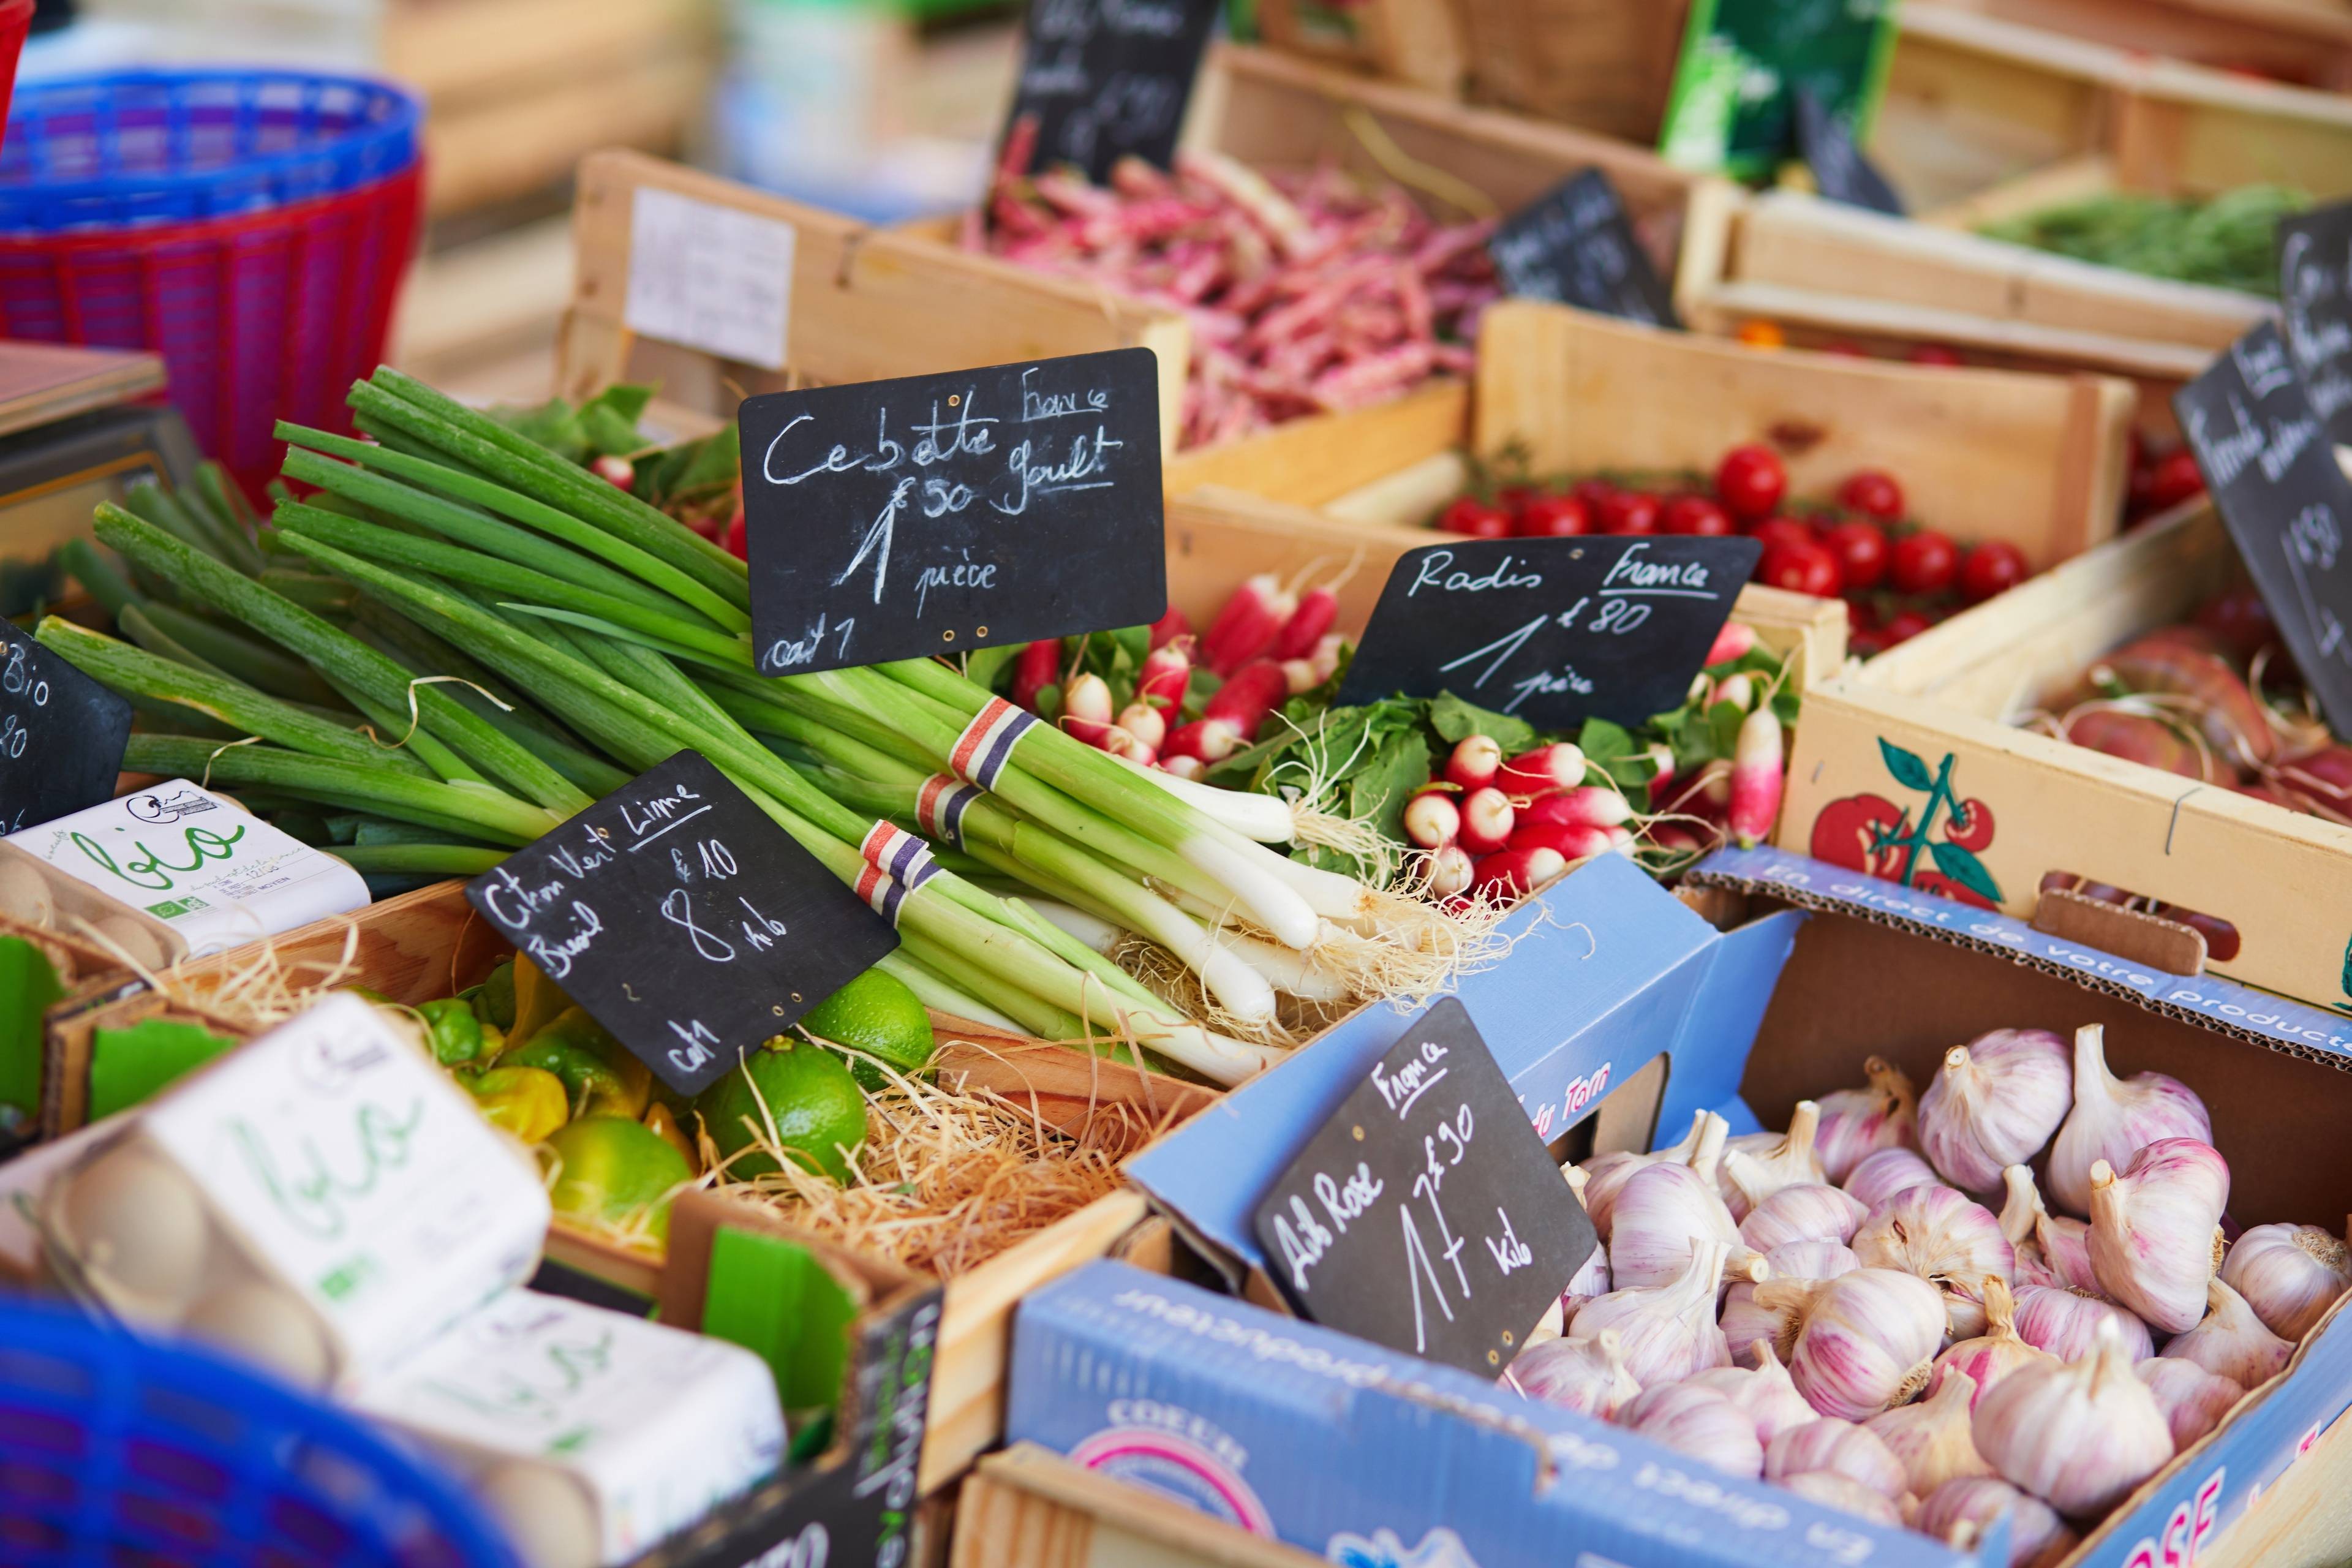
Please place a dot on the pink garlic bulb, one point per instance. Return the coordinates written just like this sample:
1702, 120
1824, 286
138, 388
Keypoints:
1931, 1436
1585, 1375
1882, 1176
2050, 1251
1668, 1331
2155, 1230
1994, 1103
2000, 1350
1758, 1164
1962, 1512
2113, 1119
2232, 1341
1802, 1211
1811, 1260
2192, 1399
1591, 1276
1830, 1490
1859, 1122
2066, 1322
1763, 1390
1698, 1422
1841, 1447
1606, 1175
2289, 1274
1862, 1340
1663, 1209
1744, 1321
1946, 1238
2078, 1435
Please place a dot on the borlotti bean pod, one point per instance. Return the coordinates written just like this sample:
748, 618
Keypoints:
323, 1200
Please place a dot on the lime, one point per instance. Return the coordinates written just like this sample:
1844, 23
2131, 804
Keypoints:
602, 1077
817, 1107
878, 1015
613, 1169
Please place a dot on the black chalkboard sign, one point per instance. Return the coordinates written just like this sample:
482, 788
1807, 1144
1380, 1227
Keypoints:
1104, 80
1577, 246
1556, 631
61, 735
2314, 257
1841, 172
934, 514
684, 920
2271, 469
1426, 1215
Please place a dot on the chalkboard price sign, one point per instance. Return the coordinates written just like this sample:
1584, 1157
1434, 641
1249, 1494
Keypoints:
2271, 471
1426, 1214
61, 735
2314, 257
1576, 245
684, 920
935, 514
1841, 172
1104, 80
1554, 631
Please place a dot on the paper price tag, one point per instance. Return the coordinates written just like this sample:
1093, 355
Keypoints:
710, 278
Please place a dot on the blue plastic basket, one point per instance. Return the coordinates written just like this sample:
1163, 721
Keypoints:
114, 1450
134, 148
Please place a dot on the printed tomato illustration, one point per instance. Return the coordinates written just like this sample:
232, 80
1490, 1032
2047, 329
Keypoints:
1871, 834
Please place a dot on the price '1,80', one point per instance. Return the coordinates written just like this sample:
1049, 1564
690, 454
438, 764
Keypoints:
1441, 1152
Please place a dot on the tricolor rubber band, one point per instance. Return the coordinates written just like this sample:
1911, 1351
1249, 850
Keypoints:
985, 746
939, 810
883, 893
893, 850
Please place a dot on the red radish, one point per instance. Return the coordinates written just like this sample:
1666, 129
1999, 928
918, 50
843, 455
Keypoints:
1039, 666
738, 536
1233, 715
1143, 721
1121, 743
1189, 768
1592, 805
618, 472
1486, 820
1674, 836
1514, 873
1170, 627
1166, 671
1247, 624
1661, 759
1733, 641
1317, 608
1432, 820
1755, 778
1450, 871
1557, 766
1621, 841
1086, 709
1739, 691
1571, 841
1475, 761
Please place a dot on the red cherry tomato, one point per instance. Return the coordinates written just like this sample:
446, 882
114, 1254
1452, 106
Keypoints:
1513, 499
1924, 562
1774, 530
2173, 479
1936, 354
1860, 549
1868, 643
1903, 626
1993, 567
737, 540
1860, 614
1592, 492
1701, 515
1630, 511
1553, 517
1478, 518
1868, 490
1750, 480
1800, 566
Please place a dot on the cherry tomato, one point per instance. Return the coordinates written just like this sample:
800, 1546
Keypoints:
1868, 490
1936, 354
1513, 499
1860, 614
1924, 562
1750, 480
1759, 334
1800, 566
1477, 518
1553, 517
1630, 511
738, 536
1592, 492
1993, 567
1860, 549
2173, 479
1698, 514
1774, 530
1903, 626
1866, 643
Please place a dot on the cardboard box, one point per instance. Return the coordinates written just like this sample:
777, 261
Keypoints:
1952, 699
1291, 1430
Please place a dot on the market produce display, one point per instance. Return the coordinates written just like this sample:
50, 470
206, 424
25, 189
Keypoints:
2225, 242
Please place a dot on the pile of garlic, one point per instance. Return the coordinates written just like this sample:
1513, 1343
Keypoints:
1839, 1310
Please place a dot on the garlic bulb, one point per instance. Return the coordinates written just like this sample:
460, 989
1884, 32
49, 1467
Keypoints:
1743, 1320
1663, 1209
2050, 1251
1811, 1260
1802, 1211
2232, 1341
1859, 1122
1841, 1447
1585, 1375
1834, 1491
2154, 1229
1944, 1238
2192, 1399
1861, 1341
1766, 1392
1606, 1175
1995, 1102
1963, 1512
2289, 1274
2078, 1435
2115, 1119
2000, 1350
1931, 1437
1882, 1176
1759, 1165
1698, 1422
2066, 1322
1668, 1331
1592, 1277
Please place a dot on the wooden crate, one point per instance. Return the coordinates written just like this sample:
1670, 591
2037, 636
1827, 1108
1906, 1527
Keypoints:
1030, 1508
1418, 42
1951, 698
2306, 43
2035, 460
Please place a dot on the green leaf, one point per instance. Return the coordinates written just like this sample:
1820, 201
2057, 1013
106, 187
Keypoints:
627, 400
1785, 705
1602, 742
1630, 775
1909, 770
983, 666
1723, 721
1457, 721
608, 434
1963, 867
553, 424
1379, 790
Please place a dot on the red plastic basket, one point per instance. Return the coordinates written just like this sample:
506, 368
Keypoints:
16, 19
267, 316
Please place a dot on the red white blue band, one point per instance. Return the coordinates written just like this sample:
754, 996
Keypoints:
939, 810
894, 850
883, 893
985, 746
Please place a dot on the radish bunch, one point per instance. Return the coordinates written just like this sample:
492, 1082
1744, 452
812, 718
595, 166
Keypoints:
1499, 827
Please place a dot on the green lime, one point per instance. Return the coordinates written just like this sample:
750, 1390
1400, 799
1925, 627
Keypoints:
613, 1169
817, 1107
876, 1014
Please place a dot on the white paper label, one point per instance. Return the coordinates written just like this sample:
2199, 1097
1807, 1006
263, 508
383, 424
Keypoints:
219, 876
358, 1175
710, 276
661, 1425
